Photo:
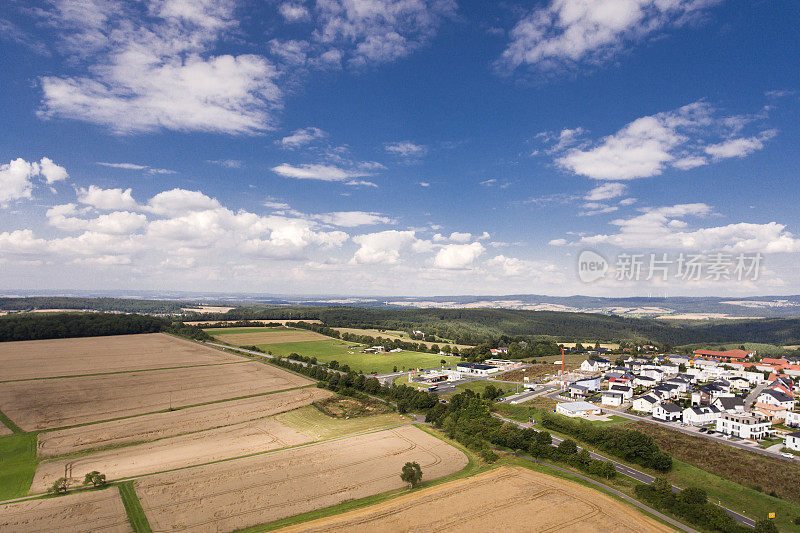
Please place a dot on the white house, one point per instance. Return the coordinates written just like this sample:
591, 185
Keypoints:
746, 426
793, 441
733, 404
627, 392
777, 398
792, 419
681, 384
577, 409
666, 412
595, 365
643, 381
654, 373
701, 416
644, 404
739, 384
611, 398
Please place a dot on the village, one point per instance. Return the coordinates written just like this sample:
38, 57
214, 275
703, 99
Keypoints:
732, 396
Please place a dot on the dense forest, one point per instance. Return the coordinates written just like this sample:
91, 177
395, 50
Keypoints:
122, 305
477, 326
64, 325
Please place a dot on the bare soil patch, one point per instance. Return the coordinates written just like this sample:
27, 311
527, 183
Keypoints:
174, 452
532, 373
235, 494
94, 355
53, 403
82, 511
172, 423
504, 499
344, 407
271, 337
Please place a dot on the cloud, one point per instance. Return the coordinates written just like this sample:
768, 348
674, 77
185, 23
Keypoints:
406, 149
385, 247
740, 147
302, 137
606, 191
424, 184
322, 173
179, 201
568, 32
377, 31
107, 199
117, 223
134, 166
596, 208
293, 12
665, 228
154, 72
226, 163
489, 183
648, 145
16, 177
350, 219
521, 268
458, 256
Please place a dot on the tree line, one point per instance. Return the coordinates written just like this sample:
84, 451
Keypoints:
64, 325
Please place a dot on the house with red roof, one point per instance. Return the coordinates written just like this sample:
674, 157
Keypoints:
727, 355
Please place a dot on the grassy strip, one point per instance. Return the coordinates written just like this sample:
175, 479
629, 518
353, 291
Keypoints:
121, 372
9, 423
474, 466
18, 464
133, 508
177, 408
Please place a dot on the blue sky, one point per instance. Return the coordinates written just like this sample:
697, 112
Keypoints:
403, 147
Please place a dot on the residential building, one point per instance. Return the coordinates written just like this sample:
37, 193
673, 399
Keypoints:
792, 419
666, 412
727, 355
745, 426
644, 404
732, 404
701, 415
793, 441
613, 399
777, 398
627, 392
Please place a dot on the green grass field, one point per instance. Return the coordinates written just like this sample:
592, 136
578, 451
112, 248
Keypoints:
479, 387
318, 425
18, 463
235, 331
333, 349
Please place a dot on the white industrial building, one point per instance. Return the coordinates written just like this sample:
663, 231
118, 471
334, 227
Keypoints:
578, 409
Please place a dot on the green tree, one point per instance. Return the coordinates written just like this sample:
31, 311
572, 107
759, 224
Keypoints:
693, 496
411, 474
765, 526
95, 478
568, 447
60, 486
662, 486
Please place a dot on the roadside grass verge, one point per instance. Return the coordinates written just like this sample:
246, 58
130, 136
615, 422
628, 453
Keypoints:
747, 468
18, 464
474, 466
133, 508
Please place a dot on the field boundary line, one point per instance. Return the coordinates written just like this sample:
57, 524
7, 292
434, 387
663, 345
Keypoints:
122, 372
10, 423
133, 508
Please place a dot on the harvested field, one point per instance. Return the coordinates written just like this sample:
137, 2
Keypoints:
503, 499
94, 355
172, 423
4, 430
344, 407
53, 403
174, 452
270, 337
83, 511
235, 494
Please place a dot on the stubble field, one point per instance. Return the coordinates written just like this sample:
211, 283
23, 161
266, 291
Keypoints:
504, 499
236, 494
96, 355
171, 423
100, 511
54, 403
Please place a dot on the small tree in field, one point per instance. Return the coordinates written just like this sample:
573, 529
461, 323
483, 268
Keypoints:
59, 486
95, 478
411, 474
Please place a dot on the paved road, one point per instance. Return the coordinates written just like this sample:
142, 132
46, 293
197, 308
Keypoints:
754, 394
632, 472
